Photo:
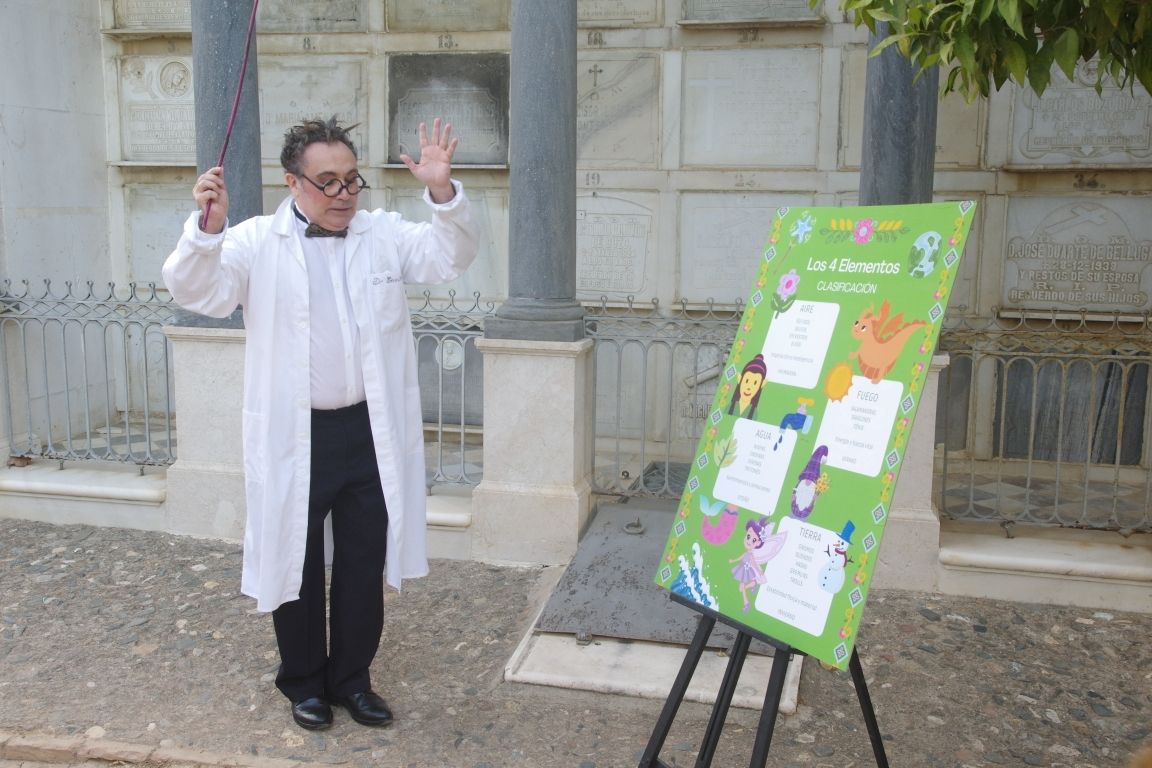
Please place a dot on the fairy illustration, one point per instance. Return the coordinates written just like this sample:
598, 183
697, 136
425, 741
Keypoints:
759, 548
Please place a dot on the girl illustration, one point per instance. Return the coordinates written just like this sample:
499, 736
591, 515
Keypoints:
747, 393
759, 548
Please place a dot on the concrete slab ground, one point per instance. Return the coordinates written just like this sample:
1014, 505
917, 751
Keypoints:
130, 637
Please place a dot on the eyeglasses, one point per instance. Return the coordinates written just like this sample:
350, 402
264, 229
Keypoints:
333, 187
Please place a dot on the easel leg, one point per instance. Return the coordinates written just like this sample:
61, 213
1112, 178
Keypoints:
780, 661
650, 759
866, 707
723, 700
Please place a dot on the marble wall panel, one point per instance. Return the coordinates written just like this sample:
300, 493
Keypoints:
312, 16
293, 88
1073, 253
722, 237
617, 121
155, 216
447, 15
157, 118
736, 11
751, 108
617, 12
959, 126
153, 14
616, 245
1070, 125
468, 90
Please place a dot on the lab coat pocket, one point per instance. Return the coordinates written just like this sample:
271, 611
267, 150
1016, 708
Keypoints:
388, 300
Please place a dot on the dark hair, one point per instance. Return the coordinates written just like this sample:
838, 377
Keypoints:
298, 137
755, 365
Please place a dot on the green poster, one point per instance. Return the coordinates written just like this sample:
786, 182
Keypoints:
791, 484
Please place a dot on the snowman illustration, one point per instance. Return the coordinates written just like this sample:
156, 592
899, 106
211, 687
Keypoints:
831, 577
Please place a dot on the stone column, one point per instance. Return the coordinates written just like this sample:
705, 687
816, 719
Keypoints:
219, 31
206, 483
534, 501
899, 129
542, 177
897, 168
910, 551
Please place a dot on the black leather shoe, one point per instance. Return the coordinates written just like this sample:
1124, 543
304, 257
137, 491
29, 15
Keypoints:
366, 708
313, 713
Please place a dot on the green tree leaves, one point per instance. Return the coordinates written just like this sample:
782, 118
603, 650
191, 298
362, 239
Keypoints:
983, 44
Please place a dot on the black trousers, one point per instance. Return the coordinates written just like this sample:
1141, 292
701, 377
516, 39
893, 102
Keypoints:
345, 481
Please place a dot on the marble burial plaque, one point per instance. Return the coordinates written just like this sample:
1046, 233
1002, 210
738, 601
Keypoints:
293, 88
1084, 253
1072, 125
734, 11
751, 108
447, 15
617, 12
153, 14
615, 240
959, 126
155, 217
616, 112
722, 237
488, 275
468, 90
157, 118
311, 16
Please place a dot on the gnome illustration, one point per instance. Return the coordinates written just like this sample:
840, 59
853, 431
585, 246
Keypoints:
808, 485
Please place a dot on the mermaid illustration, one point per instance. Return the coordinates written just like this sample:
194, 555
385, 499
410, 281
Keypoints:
759, 548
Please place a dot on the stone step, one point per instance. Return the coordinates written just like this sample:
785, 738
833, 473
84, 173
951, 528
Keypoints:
1054, 566
85, 493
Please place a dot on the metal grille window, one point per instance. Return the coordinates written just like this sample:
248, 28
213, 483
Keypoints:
1045, 421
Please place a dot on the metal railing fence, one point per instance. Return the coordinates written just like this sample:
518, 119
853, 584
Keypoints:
451, 376
1038, 421
656, 369
1045, 421
86, 374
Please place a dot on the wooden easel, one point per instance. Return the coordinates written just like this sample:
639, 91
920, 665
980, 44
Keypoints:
780, 660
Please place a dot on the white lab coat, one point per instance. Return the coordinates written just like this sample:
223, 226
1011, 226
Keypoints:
259, 264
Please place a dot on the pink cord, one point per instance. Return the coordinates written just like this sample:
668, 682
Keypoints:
235, 102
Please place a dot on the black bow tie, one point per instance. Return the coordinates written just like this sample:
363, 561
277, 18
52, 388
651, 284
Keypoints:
315, 230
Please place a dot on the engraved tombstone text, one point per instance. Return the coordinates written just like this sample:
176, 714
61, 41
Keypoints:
1073, 255
470, 91
1071, 125
157, 119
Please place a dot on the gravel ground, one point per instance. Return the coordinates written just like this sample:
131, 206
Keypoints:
143, 638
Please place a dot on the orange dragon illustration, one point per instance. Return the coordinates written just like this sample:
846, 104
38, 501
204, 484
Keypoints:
882, 339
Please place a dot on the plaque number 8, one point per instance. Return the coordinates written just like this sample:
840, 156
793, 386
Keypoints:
307, 43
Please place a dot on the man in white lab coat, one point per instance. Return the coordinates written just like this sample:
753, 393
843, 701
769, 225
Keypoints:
331, 414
